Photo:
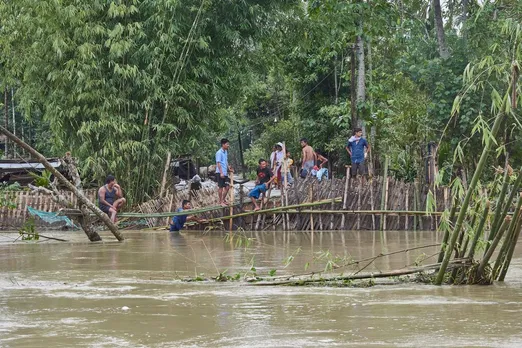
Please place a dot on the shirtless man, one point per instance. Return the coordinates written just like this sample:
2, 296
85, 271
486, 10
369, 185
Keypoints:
110, 198
308, 157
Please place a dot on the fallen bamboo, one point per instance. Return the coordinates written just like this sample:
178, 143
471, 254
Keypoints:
395, 273
100, 214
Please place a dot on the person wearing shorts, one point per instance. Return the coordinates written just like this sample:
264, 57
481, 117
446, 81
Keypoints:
222, 169
110, 198
358, 148
264, 179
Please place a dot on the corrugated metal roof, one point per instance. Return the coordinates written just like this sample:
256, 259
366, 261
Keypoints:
28, 164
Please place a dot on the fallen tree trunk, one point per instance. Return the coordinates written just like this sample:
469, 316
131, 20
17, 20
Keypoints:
84, 200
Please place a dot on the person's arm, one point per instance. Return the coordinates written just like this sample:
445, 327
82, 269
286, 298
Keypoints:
218, 164
303, 158
101, 195
348, 149
323, 160
119, 192
368, 147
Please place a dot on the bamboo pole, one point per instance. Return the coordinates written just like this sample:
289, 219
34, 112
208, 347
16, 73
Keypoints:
359, 193
345, 196
467, 198
372, 202
511, 249
101, 215
489, 252
165, 172
498, 206
358, 276
415, 206
506, 245
384, 193
311, 216
231, 199
407, 206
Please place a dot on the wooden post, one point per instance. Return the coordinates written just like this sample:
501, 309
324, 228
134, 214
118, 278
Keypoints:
372, 202
100, 214
407, 206
165, 172
384, 194
231, 199
345, 197
311, 215
359, 193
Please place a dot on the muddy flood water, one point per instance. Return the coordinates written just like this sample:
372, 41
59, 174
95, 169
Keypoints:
128, 294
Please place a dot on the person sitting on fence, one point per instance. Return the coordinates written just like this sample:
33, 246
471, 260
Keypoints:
178, 221
110, 198
264, 179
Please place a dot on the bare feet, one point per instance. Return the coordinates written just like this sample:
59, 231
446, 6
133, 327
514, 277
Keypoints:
256, 208
224, 204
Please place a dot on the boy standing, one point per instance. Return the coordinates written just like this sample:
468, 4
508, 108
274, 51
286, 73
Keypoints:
222, 169
358, 148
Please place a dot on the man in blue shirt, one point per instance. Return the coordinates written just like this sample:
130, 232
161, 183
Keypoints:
222, 169
178, 221
358, 148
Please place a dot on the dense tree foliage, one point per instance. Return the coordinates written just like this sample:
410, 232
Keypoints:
122, 83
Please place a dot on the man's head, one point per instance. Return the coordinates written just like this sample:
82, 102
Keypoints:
288, 154
262, 163
110, 180
225, 144
304, 142
357, 132
186, 204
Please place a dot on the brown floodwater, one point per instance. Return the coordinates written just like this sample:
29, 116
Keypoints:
129, 294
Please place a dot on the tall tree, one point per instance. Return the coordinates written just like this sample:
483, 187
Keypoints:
439, 24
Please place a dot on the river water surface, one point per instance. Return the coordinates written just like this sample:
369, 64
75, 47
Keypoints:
128, 294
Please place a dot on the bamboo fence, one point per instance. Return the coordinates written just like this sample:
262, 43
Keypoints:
335, 204
14, 218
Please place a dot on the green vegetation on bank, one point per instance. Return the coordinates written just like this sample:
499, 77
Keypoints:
122, 83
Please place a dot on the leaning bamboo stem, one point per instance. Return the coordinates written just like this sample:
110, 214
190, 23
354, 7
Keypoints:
511, 250
467, 198
101, 215
499, 206
489, 252
447, 232
501, 257
478, 232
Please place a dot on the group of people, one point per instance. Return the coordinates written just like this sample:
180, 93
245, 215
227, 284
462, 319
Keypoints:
110, 195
